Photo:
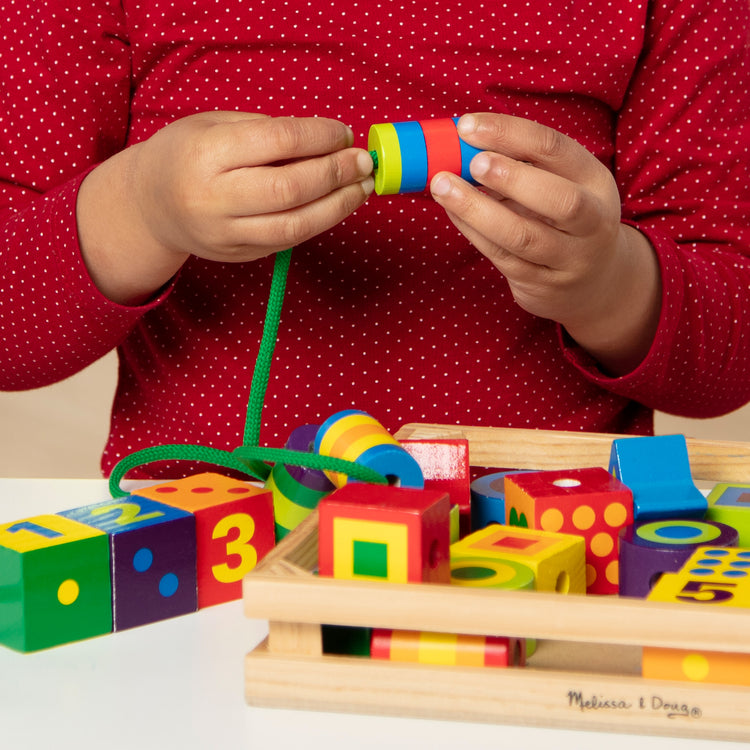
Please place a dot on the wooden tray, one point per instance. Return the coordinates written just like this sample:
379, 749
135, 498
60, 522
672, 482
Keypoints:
586, 672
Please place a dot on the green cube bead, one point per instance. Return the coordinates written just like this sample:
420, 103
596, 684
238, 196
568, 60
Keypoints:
730, 504
55, 583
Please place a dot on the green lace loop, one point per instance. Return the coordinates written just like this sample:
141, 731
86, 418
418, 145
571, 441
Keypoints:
180, 453
312, 461
249, 458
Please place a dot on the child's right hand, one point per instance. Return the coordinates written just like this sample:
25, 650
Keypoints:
225, 186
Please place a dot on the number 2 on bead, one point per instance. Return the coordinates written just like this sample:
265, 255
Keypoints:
245, 525
129, 513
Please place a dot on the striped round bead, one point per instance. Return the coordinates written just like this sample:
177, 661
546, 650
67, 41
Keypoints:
409, 154
356, 436
425, 647
297, 490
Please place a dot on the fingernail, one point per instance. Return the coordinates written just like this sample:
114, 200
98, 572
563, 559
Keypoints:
467, 124
480, 165
367, 185
364, 163
440, 186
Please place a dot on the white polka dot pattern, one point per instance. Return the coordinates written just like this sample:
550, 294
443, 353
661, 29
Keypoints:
391, 312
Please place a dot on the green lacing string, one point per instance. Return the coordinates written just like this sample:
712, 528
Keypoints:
265, 353
249, 458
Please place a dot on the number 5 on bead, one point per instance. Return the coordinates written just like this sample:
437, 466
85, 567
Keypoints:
706, 592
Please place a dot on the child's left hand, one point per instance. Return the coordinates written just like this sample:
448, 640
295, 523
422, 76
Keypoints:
547, 214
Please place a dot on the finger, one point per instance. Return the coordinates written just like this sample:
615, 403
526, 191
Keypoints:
269, 189
294, 226
507, 263
495, 228
261, 141
526, 140
563, 204
532, 285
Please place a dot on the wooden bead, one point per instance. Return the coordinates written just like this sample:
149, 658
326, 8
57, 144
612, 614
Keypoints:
356, 436
348, 640
711, 576
483, 572
55, 582
446, 649
153, 558
557, 560
721, 667
409, 154
730, 504
234, 529
443, 147
488, 500
650, 548
657, 471
445, 466
297, 490
383, 141
381, 533
413, 155
589, 502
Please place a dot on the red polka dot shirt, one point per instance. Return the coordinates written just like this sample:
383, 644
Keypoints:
393, 311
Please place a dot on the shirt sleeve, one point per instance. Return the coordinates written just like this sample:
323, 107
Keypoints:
65, 78
683, 168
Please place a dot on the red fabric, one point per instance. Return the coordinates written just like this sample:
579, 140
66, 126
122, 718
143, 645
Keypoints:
392, 312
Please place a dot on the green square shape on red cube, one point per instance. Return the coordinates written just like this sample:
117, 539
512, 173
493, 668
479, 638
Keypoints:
370, 559
414, 524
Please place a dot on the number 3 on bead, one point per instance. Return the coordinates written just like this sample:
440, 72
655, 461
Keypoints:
245, 525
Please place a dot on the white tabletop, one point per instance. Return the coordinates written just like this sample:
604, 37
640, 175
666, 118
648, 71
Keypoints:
179, 684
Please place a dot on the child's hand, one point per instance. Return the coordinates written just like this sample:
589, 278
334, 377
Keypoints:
224, 186
547, 214
235, 187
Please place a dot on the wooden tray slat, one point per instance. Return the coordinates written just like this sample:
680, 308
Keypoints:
454, 609
714, 460
525, 696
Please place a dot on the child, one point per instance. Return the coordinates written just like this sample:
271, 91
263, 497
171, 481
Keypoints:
151, 169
